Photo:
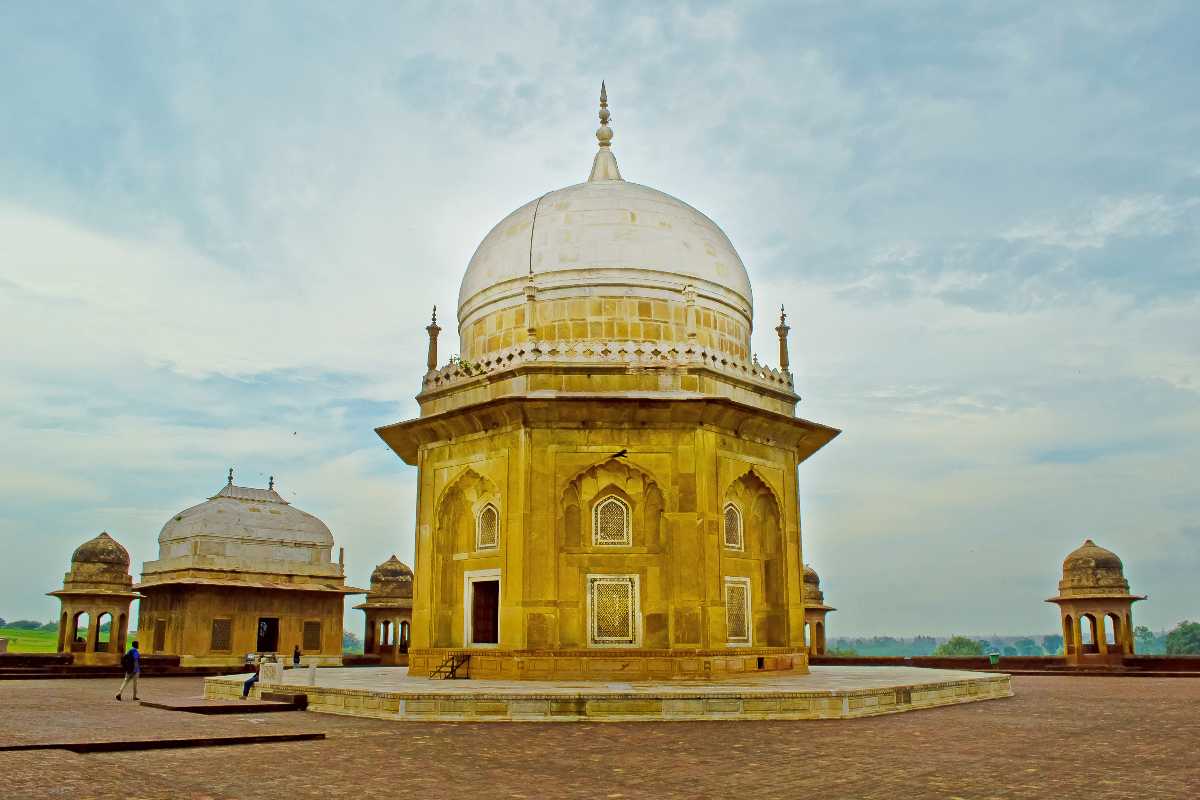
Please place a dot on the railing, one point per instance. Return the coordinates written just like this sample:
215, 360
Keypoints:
448, 669
602, 353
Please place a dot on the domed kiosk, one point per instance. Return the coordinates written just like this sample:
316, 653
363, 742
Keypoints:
815, 612
1095, 606
607, 477
243, 572
388, 609
95, 598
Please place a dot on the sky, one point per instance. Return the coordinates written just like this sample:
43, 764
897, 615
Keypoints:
223, 226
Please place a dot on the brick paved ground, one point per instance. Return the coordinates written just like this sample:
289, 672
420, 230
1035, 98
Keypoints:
1060, 737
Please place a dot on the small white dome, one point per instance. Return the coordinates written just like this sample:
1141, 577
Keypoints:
609, 234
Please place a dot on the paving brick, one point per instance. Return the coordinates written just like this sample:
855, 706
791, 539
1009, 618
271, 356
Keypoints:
1045, 742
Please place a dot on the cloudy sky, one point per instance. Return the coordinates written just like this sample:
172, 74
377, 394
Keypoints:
222, 228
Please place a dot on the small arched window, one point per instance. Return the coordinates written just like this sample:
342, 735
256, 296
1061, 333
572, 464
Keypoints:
733, 527
610, 523
487, 528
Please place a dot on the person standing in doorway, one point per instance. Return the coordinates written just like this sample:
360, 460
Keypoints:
296, 656
131, 665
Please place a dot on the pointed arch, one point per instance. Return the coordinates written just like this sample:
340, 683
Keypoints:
460, 513
612, 503
752, 473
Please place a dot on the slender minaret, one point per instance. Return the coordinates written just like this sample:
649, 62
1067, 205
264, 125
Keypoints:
604, 165
431, 362
782, 329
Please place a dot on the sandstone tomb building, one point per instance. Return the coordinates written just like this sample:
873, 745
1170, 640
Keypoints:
243, 572
607, 476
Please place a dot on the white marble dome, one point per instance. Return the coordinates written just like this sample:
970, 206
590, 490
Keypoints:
605, 232
247, 514
605, 239
244, 528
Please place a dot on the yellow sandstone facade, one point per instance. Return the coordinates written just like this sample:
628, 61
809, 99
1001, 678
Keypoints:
609, 491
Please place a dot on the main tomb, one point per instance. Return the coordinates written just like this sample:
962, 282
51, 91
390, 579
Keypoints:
607, 478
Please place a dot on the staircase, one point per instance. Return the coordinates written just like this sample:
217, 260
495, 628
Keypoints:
449, 668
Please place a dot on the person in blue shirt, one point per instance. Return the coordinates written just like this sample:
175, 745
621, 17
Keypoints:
131, 665
253, 679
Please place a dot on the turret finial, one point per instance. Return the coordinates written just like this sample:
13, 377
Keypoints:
433, 329
782, 331
604, 166
231, 476
271, 483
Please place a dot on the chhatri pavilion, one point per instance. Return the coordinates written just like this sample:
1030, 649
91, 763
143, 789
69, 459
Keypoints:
607, 477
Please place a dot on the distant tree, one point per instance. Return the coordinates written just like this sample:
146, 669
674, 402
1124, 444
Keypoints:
1184, 639
1009, 650
1027, 647
2, 622
351, 643
924, 645
25, 625
49, 626
1148, 642
841, 651
959, 646
1052, 644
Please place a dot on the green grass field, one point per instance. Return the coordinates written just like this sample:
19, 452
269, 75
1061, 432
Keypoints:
20, 641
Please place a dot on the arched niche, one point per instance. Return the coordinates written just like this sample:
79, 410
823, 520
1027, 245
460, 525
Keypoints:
611, 481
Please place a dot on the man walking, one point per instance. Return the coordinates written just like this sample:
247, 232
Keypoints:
131, 665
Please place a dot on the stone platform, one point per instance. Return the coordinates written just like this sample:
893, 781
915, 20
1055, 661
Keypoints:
823, 693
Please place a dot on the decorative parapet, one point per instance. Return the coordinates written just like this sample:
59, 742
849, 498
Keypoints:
630, 354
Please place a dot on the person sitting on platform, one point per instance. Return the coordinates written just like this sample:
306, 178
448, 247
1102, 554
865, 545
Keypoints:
253, 679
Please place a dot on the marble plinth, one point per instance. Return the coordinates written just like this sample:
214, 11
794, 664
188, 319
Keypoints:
822, 693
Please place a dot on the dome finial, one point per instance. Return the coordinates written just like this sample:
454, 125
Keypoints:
604, 166
231, 476
271, 483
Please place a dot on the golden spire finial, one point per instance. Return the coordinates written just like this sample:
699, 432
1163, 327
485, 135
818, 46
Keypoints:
604, 166
604, 133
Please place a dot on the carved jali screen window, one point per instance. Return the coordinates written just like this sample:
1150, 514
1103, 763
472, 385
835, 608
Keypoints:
610, 523
312, 635
613, 609
737, 609
220, 635
487, 529
733, 527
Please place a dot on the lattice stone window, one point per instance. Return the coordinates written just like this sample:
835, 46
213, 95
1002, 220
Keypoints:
312, 635
220, 635
733, 527
487, 528
737, 610
613, 610
610, 523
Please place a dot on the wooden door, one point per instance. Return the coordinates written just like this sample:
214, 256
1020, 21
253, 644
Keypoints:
485, 612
